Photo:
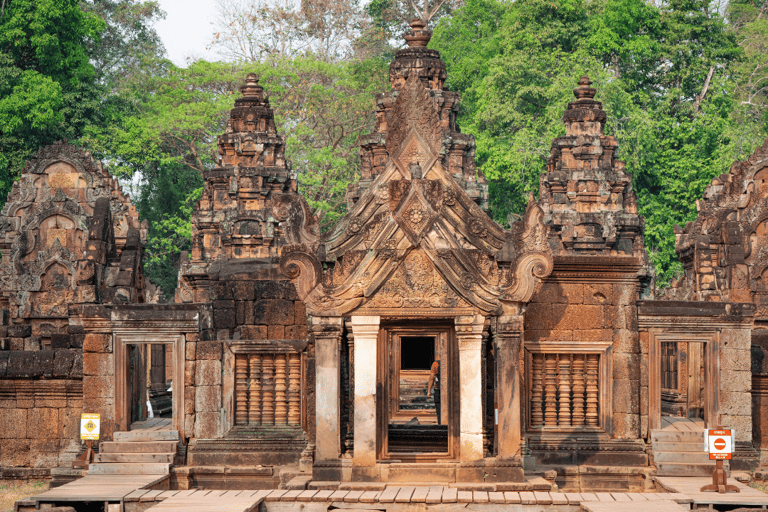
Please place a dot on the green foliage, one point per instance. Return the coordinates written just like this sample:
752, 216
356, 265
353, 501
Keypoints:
47, 84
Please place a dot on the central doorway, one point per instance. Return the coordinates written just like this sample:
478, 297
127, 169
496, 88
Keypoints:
418, 380
683, 382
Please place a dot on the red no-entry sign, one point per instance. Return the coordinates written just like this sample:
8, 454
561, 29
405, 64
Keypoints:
720, 444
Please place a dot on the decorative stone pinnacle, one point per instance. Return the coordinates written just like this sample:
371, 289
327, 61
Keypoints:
584, 91
251, 87
418, 36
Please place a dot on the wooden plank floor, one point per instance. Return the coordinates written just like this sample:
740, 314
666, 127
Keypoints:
206, 501
634, 506
98, 488
153, 424
691, 486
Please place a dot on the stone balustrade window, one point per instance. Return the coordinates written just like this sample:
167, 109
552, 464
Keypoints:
567, 386
268, 389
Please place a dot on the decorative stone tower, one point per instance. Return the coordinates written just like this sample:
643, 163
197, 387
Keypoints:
388, 139
240, 219
585, 194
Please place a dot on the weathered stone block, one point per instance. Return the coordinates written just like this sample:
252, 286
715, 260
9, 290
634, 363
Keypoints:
4, 355
625, 341
554, 335
208, 350
97, 387
626, 366
221, 290
98, 364
16, 343
69, 422
189, 400
577, 317
44, 452
43, 423
223, 304
600, 294
97, 343
13, 424
296, 332
208, 373
243, 290
77, 341
63, 362
735, 403
253, 332
207, 425
276, 332
626, 396
77, 366
207, 399
742, 425
189, 423
273, 312
735, 359
19, 331
299, 313
538, 316
33, 343
733, 380
593, 335
60, 341
626, 425
191, 351
15, 453
189, 373
224, 319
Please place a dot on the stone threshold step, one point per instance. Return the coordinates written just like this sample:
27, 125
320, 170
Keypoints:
138, 447
129, 469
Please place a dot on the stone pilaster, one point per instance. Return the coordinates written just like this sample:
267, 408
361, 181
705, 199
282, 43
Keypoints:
366, 332
327, 332
507, 337
469, 332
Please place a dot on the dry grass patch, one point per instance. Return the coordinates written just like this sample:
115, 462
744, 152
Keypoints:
760, 485
12, 492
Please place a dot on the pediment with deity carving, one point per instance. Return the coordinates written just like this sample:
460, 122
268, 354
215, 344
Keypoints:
415, 242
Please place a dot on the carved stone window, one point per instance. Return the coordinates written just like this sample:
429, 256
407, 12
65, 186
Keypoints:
268, 388
568, 386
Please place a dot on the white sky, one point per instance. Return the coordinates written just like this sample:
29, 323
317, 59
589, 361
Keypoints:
187, 29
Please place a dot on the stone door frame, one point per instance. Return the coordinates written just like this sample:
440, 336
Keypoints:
711, 342
385, 374
122, 367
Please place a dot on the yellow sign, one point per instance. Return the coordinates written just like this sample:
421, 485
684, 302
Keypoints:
89, 426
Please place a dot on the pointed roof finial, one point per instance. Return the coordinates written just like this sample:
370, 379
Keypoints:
418, 36
584, 91
251, 87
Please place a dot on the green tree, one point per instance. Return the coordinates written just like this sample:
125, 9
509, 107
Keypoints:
48, 87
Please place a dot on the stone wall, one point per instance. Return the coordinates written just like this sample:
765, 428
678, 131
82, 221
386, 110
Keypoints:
40, 404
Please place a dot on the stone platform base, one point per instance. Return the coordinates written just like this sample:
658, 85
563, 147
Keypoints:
604, 478
483, 471
224, 478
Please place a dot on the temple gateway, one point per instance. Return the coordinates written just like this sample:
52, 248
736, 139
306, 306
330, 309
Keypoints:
419, 341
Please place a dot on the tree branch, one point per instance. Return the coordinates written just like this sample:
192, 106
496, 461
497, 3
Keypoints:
703, 90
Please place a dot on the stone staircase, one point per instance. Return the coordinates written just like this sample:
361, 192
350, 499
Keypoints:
137, 452
681, 453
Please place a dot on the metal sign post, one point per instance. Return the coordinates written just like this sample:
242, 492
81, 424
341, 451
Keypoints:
720, 447
89, 431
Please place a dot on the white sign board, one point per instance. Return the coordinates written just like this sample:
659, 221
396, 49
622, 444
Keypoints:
719, 444
89, 426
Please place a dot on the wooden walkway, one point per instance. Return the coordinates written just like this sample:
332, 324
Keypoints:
236, 501
691, 486
107, 488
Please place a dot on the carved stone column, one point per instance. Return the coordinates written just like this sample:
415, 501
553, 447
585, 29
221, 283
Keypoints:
327, 331
366, 332
509, 330
469, 332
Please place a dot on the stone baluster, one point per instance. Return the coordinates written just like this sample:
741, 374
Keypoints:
294, 388
241, 390
578, 391
281, 402
550, 390
268, 390
254, 396
593, 420
564, 414
537, 405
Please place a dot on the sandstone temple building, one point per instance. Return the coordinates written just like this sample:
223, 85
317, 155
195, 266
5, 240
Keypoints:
419, 341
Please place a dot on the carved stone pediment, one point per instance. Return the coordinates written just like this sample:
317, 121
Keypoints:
416, 242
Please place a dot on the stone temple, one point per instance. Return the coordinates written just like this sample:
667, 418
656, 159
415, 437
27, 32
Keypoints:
419, 341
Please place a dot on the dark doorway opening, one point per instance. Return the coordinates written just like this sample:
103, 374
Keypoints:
417, 352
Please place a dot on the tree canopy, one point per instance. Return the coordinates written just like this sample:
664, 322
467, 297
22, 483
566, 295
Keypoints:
684, 85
